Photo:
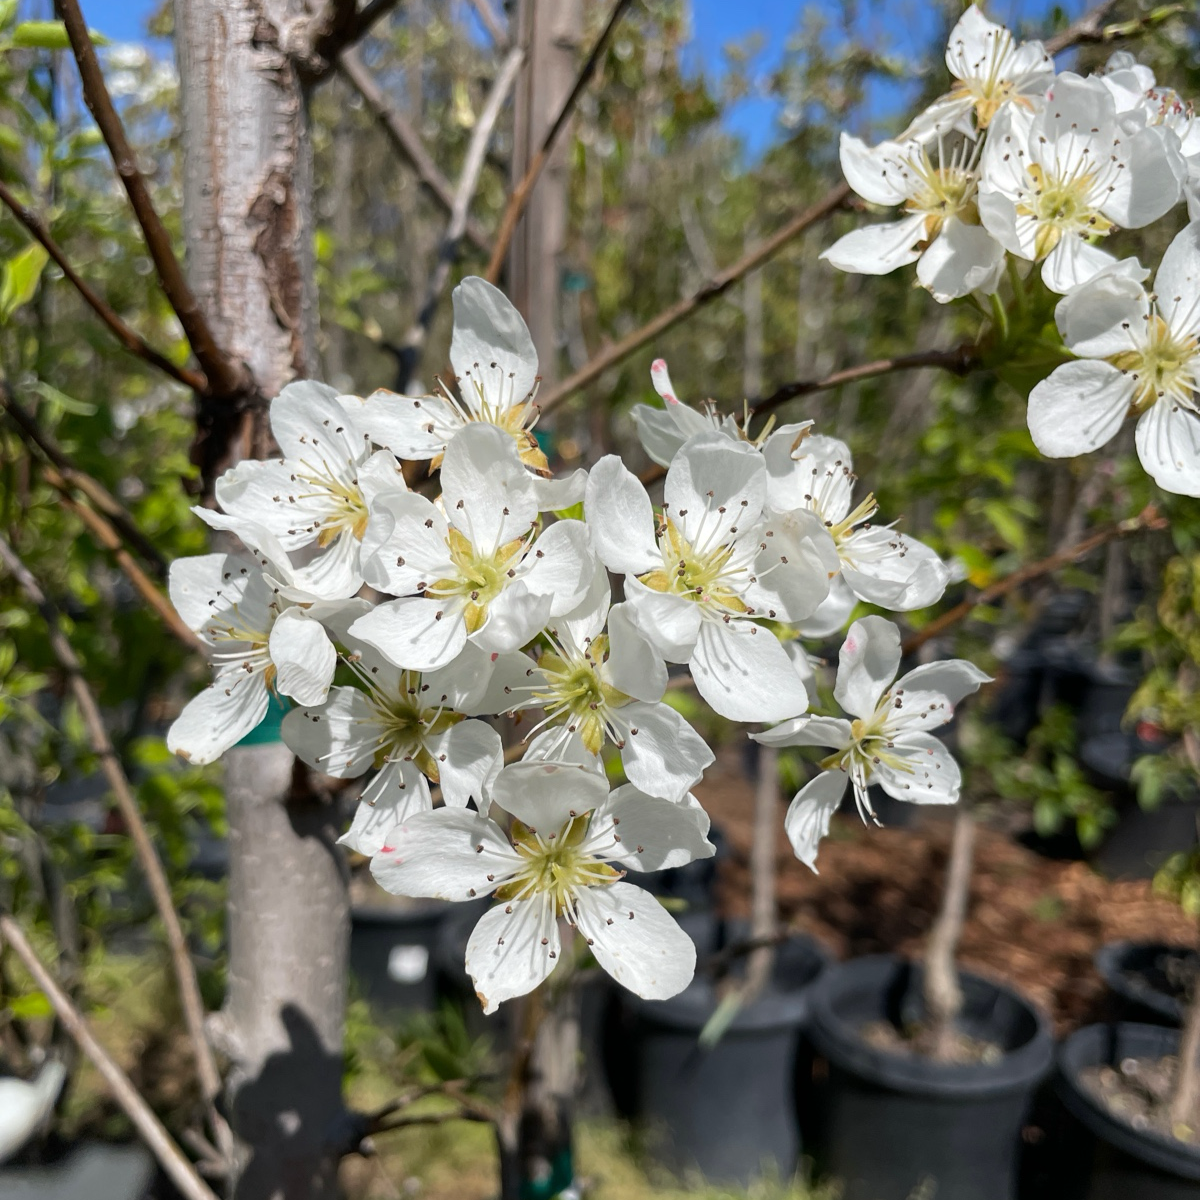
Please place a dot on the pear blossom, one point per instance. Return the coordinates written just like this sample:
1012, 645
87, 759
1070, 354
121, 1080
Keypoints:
887, 742
266, 635
408, 730
879, 565
940, 231
319, 494
715, 563
1069, 173
560, 866
495, 365
662, 431
1139, 356
472, 569
601, 681
992, 71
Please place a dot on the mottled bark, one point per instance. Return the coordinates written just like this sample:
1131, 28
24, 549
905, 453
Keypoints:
248, 222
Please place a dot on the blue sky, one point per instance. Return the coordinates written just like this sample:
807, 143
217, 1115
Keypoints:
898, 24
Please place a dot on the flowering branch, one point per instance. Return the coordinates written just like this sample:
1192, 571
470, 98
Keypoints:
225, 377
174, 1162
133, 342
1148, 519
404, 139
834, 199
160, 889
520, 196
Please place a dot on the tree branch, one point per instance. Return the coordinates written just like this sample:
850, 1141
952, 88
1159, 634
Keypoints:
834, 199
338, 27
226, 378
520, 196
101, 498
133, 342
1085, 29
404, 138
1148, 519
174, 1162
160, 889
468, 184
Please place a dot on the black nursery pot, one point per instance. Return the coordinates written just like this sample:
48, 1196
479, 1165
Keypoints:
1143, 980
730, 1111
391, 954
1104, 1158
895, 1125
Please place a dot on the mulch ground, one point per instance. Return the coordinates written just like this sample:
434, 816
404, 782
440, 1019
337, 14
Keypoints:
1033, 922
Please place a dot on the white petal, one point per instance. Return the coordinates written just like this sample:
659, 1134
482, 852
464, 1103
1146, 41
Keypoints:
545, 794
791, 576
335, 573
218, 718
962, 259
1072, 262
1078, 408
308, 417
204, 586
303, 655
712, 473
397, 792
648, 833
559, 745
405, 544
636, 940
444, 854
1168, 443
553, 495
512, 949
1177, 281
491, 344
929, 774
809, 813
1104, 316
862, 167
867, 664
337, 737
669, 623
808, 731
1153, 170
263, 493
666, 756
744, 674
878, 249
585, 621
833, 613
634, 666
410, 427
1000, 218
469, 759
563, 566
486, 491
620, 519
658, 432
514, 619
410, 633
953, 678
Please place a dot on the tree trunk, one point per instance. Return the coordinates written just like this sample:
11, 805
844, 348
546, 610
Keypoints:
943, 993
1185, 1095
763, 914
248, 222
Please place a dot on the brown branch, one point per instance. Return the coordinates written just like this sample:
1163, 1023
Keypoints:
834, 199
226, 378
108, 539
404, 138
1148, 519
1089, 28
1093, 33
160, 889
100, 497
133, 342
492, 22
437, 1118
174, 1162
336, 28
520, 196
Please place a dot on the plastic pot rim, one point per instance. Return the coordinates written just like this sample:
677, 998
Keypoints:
1109, 961
836, 1039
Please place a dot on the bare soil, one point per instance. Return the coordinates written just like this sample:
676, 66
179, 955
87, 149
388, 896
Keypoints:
1137, 1091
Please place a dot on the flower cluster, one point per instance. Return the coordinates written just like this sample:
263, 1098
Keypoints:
1020, 161
399, 623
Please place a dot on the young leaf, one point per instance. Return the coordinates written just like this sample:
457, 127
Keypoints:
21, 275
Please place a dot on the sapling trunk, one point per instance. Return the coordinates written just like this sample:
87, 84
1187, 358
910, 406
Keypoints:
943, 992
1185, 1094
763, 916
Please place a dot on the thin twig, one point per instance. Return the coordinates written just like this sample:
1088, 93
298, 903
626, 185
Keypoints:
437, 1118
468, 184
108, 538
404, 138
491, 21
708, 292
1149, 518
1086, 29
226, 377
520, 196
133, 342
100, 497
369, 14
174, 1162
160, 889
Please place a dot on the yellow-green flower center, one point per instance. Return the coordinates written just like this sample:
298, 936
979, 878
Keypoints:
555, 865
1061, 205
405, 721
698, 575
479, 577
1164, 366
576, 694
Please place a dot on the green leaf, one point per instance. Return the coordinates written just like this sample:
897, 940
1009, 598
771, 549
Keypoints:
11, 140
8, 13
63, 402
31, 1006
21, 275
49, 35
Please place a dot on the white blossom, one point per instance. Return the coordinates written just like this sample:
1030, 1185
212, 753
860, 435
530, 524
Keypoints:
1139, 356
408, 730
473, 568
1069, 173
716, 562
887, 743
562, 861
